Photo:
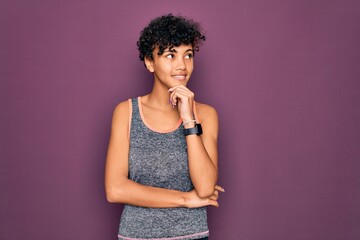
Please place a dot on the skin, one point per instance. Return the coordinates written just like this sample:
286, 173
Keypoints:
168, 101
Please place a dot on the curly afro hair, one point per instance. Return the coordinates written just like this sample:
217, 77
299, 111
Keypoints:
166, 32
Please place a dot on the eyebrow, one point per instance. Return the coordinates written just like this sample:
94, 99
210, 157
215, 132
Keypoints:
174, 50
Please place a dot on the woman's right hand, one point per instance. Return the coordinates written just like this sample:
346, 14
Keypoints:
192, 200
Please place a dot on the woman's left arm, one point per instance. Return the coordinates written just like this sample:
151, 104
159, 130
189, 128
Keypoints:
202, 150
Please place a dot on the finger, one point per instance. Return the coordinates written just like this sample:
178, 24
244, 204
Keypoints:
173, 88
184, 92
177, 87
219, 188
213, 203
180, 89
215, 195
180, 96
174, 97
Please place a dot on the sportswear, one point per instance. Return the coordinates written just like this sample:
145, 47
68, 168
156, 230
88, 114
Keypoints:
159, 159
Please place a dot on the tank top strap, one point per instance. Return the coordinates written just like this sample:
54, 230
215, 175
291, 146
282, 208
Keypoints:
134, 114
135, 107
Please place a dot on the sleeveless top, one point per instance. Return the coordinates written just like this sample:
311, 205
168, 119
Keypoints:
159, 159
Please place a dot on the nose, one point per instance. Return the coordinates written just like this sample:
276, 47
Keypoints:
180, 64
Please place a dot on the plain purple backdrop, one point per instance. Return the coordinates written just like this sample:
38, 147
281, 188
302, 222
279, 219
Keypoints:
283, 75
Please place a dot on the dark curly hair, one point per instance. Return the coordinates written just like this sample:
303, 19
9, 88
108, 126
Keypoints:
166, 32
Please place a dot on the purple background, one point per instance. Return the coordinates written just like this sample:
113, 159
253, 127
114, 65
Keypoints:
283, 75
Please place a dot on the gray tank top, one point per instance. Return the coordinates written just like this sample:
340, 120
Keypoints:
159, 159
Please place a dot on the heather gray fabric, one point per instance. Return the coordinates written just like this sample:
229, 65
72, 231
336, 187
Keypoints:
160, 160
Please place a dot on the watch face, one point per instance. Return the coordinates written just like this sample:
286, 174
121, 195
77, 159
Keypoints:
195, 130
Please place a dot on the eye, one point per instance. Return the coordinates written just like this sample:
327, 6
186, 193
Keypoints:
190, 55
170, 56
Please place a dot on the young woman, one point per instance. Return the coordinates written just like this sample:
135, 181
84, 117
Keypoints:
162, 155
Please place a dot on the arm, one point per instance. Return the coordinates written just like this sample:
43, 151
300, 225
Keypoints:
202, 150
120, 189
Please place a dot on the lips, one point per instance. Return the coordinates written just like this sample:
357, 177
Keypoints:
179, 77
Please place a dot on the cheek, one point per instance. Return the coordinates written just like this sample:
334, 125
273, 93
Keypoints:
166, 67
163, 68
190, 66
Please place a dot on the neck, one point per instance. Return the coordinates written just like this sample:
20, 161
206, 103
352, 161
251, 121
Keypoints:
159, 97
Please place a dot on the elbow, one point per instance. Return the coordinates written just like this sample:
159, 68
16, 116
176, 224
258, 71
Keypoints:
205, 189
112, 196
115, 192
205, 192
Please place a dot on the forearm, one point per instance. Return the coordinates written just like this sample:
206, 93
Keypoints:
202, 170
202, 151
130, 192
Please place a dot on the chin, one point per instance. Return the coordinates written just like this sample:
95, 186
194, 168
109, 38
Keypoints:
184, 83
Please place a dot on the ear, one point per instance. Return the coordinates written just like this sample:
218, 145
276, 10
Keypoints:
149, 64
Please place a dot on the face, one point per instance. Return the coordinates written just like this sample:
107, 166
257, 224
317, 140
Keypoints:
173, 67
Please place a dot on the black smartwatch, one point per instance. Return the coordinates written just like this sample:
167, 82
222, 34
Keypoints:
195, 130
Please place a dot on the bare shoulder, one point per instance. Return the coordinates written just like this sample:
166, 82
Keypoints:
121, 108
206, 112
121, 114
